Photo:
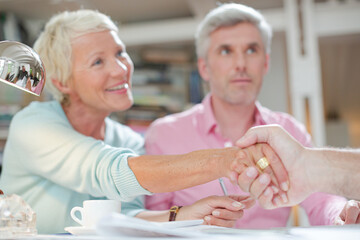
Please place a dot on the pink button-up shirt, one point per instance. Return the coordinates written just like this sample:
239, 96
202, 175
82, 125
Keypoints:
197, 129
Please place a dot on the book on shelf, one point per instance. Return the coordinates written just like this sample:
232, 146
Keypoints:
195, 87
198, 88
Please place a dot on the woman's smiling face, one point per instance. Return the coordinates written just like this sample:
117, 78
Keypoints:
101, 73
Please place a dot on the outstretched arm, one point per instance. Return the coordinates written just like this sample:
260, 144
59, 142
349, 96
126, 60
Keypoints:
333, 171
165, 173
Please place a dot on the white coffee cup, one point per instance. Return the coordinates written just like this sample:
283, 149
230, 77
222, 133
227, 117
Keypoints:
93, 210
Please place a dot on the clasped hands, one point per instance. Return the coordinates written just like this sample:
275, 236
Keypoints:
276, 183
258, 170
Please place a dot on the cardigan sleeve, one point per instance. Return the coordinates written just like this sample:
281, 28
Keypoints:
48, 146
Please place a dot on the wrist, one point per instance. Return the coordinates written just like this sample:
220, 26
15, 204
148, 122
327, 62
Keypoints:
314, 162
229, 163
173, 213
182, 214
333, 171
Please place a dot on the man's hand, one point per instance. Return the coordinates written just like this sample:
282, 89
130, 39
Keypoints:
292, 155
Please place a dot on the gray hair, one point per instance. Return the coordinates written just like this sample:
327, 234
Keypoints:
230, 14
54, 43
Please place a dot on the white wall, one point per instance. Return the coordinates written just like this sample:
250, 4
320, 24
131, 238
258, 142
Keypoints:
274, 91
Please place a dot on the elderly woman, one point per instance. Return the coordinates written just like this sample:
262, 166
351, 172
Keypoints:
60, 153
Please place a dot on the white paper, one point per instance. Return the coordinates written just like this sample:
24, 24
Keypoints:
118, 224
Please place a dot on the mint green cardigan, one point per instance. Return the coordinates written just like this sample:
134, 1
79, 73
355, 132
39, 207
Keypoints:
55, 168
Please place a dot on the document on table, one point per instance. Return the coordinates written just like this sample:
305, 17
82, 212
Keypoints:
118, 224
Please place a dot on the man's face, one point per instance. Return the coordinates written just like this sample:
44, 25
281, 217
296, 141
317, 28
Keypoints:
236, 63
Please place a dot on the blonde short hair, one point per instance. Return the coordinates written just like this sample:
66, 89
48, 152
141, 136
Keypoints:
230, 14
54, 43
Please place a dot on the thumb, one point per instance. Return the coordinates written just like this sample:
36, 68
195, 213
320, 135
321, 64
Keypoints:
252, 136
259, 134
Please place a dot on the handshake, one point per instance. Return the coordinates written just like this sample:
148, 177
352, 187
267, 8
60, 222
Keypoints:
269, 164
278, 171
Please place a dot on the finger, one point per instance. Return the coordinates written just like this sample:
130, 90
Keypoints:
277, 201
227, 215
240, 198
259, 185
265, 150
277, 166
265, 199
233, 177
358, 219
255, 151
259, 154
342, 214
352, 212
225, 202
339, 221
247, 178
212, 220
244, 160
247, 201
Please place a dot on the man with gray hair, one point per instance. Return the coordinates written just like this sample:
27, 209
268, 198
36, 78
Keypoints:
233, 45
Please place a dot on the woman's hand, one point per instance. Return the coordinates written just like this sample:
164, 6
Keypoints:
273, 178
350, 213
217, 210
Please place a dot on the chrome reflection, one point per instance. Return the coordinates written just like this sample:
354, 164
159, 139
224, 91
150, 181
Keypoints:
21, 67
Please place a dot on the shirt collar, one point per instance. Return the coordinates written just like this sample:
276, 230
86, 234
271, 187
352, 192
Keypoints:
260, 115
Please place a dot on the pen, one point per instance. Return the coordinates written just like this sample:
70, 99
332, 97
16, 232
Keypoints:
223, 187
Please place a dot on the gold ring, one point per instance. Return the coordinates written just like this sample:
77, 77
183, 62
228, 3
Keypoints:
262, 163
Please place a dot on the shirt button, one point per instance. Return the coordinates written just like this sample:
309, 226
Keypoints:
228, 144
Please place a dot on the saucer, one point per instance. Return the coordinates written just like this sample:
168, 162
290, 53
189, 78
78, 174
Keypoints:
81, 230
